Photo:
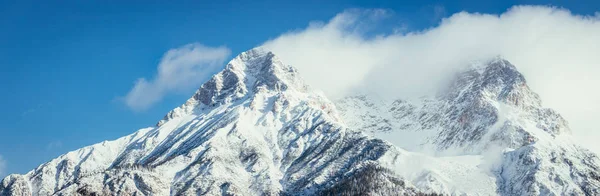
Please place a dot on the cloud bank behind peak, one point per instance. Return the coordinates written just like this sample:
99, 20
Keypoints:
555, 49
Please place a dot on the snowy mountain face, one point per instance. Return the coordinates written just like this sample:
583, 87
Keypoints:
253, 129
487, 111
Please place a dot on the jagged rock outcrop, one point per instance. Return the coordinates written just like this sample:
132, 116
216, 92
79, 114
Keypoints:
253, 129
487, 110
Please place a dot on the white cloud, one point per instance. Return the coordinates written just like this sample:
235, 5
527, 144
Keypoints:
556, 50
180, 69
54, 145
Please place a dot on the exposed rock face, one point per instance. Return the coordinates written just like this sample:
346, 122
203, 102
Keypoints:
252, 71
475, 99
485, 108
15, 185
464, 113
252, 129
255, 128
549, 169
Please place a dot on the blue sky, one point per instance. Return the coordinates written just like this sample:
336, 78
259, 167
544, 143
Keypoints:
66, 65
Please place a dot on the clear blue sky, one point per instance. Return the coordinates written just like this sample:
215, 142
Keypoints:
65, 64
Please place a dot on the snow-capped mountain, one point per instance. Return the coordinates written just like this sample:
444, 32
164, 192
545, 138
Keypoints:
488, 110
253, 129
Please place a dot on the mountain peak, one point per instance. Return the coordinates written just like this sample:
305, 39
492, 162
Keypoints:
496, 79
500, 69
490, 103
488, 91
255, 70
497, 62
261, 68
252, 61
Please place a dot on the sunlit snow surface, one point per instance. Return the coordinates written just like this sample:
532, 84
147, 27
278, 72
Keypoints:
253, 129
256, 129
489, 114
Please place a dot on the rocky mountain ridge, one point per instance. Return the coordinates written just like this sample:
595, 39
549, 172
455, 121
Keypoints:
252, 129
487, 110
256, 128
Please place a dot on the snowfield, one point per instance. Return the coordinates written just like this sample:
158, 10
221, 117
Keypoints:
255, 128
488, 112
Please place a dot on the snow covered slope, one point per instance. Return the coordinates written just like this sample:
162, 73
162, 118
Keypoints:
253, 129
487, 111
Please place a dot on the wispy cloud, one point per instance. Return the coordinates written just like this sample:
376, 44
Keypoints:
180, 69
555, 49
33, 109
27, 112
439, 12
54, 145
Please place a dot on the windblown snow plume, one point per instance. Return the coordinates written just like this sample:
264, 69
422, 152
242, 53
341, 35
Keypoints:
555, 49
438, 111
256, 128
488, 111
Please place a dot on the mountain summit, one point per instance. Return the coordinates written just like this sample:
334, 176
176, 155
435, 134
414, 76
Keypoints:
252, 129
255, 128
486, 110
251, 71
